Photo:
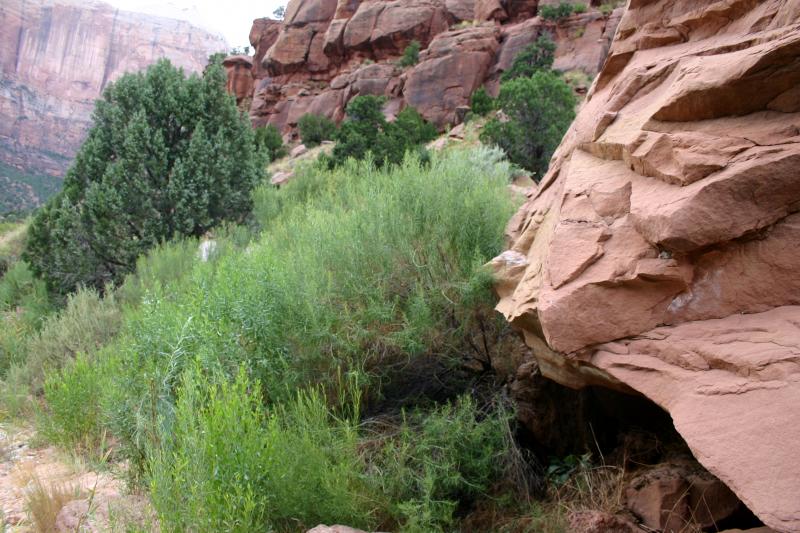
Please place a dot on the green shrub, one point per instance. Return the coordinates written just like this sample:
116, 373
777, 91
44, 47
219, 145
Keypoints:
439, 460
268, 139
86, 324
410, 54
315, 128
537, 56
166, 156
539, 110
366, 130
164, 266
227, 465
562, 10
481, 103
72, 414
356, 266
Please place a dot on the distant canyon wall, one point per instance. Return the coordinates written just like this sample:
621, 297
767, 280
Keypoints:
56, 57
326, 52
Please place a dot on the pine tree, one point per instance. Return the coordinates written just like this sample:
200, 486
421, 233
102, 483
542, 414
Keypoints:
167, 156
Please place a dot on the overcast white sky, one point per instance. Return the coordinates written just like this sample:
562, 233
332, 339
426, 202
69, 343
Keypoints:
231, 18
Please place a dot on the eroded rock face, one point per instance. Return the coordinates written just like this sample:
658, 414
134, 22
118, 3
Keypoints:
56, 57
327, 52
239, 69
660, 250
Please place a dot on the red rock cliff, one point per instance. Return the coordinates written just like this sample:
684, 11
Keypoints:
660, 252
326, 52
57, 56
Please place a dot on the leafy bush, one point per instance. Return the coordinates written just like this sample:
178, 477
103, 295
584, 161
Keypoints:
481, 103
227, 465
166, 156
562, 10
539, 110
86, 324
268, 139
315, 128
440, 459
165, 267
356, 266
537, 56
366, 130
410, 54
72, 416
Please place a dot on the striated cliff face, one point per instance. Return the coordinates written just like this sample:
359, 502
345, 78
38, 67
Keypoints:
660, 252
56, 56
326, 52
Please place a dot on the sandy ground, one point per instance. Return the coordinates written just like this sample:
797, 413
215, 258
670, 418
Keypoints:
94, 500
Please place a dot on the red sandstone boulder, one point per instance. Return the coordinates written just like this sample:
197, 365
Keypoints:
385, 28
454, 65
659, 252
240, 76
461, 10
671, 497
263, 35
300, 12
489, 10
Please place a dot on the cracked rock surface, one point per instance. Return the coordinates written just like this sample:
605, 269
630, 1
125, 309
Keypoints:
660, 252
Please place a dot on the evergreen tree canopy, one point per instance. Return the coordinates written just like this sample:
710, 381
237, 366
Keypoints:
539, 55
367, 130
167, 155
538, 110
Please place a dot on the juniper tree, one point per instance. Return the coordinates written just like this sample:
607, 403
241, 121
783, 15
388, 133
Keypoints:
167, 156
537, 112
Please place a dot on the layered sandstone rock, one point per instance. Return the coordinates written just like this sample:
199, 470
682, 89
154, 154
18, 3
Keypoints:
321, 56
239, 69
57, 56
659, 253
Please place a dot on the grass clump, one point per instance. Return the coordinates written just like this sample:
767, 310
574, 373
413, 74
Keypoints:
315, 128
72, 417
43, 503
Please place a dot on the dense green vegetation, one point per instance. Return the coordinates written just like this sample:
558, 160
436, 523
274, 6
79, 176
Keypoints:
268, 140
410, 55
537, 108
481, 103
315, 128
167, 155
237, 389
539, 111
560, 11
366, 130
537, 56
328, 359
